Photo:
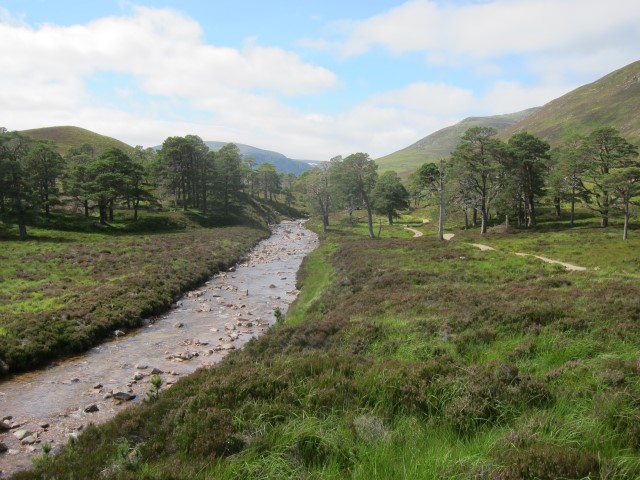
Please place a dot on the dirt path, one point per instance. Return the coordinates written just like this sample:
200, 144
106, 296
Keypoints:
416, 233
487, 248
482, 247
568, 266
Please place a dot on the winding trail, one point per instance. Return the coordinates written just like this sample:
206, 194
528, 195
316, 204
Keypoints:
568, 266
416, 233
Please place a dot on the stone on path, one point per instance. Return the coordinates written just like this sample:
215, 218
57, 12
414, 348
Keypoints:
124, 396
91, 408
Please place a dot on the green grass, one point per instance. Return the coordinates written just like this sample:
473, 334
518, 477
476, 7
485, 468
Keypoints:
409, 358
64, 290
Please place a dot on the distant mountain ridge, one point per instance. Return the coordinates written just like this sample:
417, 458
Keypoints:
441, 143
67, 137
613, 100
281, 162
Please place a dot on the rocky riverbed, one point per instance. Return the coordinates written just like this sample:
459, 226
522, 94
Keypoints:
48, 406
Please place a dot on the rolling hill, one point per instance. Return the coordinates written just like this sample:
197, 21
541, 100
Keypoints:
443, 142
68, 137
282, 163
613, 100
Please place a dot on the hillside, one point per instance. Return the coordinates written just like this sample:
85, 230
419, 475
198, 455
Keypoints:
281, 162
612, 100
441, 143
69, 137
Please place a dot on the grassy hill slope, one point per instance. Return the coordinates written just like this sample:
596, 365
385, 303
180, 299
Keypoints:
443, 142
72, 137
612, 100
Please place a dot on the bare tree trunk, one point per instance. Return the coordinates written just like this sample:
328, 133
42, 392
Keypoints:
573, 204
625, 232
441, 218
532, 213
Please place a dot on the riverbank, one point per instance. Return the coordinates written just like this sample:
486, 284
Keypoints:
65, 291
52, 405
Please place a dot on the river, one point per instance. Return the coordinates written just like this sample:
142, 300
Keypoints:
51, 404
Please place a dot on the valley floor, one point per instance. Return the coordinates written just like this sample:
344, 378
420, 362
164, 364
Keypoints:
412, 358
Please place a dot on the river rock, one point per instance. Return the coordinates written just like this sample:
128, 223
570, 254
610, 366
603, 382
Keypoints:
98, 386
4, 368
123, 396
44, 425
118, 333
204, 308
138, 376
156, 371
178, 325
91, 408
141, 367
3, 448
29, 440
22, 433
4, 426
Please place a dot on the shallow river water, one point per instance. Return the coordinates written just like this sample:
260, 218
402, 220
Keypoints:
198, 331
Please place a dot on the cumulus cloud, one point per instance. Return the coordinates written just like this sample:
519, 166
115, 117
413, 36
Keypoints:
161, 49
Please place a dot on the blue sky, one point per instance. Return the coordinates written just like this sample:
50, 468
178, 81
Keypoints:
310, 79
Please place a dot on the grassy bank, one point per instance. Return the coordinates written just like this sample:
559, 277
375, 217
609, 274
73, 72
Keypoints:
408, 358
73, 283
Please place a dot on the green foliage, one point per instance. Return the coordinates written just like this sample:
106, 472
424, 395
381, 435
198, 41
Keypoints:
389, 195
154, 389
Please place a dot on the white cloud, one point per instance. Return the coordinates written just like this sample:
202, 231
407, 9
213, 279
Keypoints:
162, 49
494, 28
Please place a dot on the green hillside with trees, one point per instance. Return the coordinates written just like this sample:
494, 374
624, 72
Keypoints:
612, 100
441, 143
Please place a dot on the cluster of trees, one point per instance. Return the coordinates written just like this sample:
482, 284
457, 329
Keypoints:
183, 173
483, 174
352, 183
